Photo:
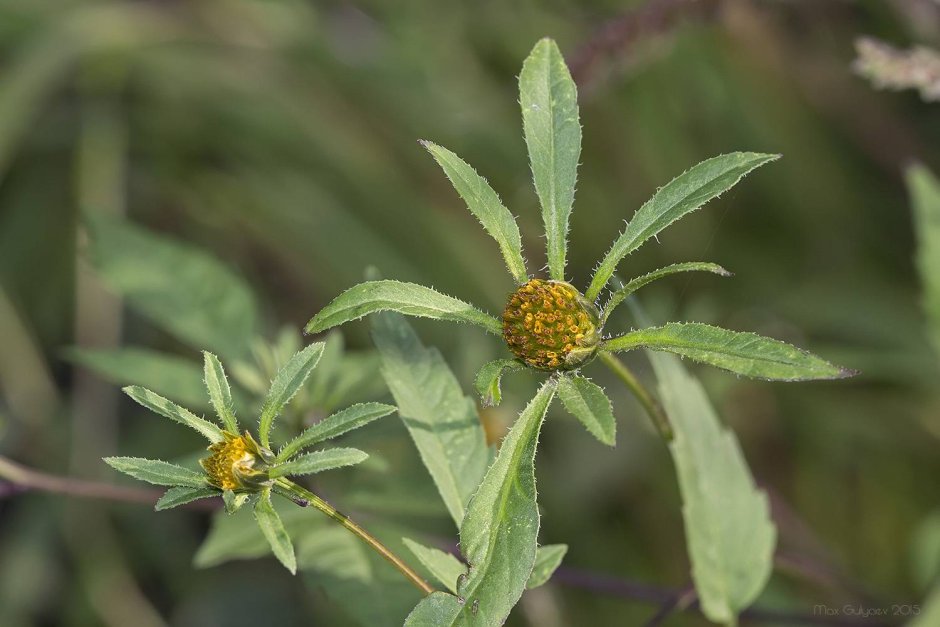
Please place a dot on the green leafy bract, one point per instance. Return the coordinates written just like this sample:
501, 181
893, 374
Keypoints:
289, 379
157, 471
681, 196
588, 402
339, 423
273, 529
181, 495
159, 405
693, 266
487, 381
747, 354
445, 567
319, 461
485, 204
220, 394
405, 298
547, 560
549, 100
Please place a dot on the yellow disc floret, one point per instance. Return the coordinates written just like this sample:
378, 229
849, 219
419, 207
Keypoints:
236, 463
549, 325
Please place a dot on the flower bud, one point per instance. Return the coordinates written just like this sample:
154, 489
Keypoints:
549, 325
238, 463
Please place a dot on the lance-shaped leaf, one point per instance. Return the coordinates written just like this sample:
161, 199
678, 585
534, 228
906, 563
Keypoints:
499, 533
728, 528
406, 298
442, 421
681, 196
924, 189
552, 130
445, 567
181, 495
220, 394
487, 381
288, 380
587, 402
337, 424
485, 204
273, 529
635, 284
547, 560
169, 409
319, 461
157, 471
747, 354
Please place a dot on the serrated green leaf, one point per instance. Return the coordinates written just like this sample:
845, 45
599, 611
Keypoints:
337, 424
319, 461
287, 381
747, 354
547, 560
728, 527
485, 204
274, 532
552, 129
179, 287
157, 471
445, 567
176, 378
924, 189
678, 198
487, 381
442, 421
588, 402
405, 298
635, 284
220, 394
159, 405
500, 531
181, 495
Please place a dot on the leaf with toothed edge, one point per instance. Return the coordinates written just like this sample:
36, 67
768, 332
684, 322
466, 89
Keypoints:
746, 354
487, 381
168, 409
549, 100
157, 471
220, 394
273, 529
678, 198
485, 204
181, 495
288, 380
318, 461
635, 284
499, 533
335, 425
405, 298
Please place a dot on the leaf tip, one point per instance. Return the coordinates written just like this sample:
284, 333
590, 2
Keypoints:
847, 373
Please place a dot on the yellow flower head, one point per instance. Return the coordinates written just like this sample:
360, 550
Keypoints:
236, 463
550, 326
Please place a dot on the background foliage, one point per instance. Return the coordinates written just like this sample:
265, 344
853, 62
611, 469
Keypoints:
274, 143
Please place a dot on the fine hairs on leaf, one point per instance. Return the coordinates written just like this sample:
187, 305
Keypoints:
287, 382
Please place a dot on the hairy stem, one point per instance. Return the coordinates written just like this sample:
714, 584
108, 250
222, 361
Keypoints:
305, 497
650, 404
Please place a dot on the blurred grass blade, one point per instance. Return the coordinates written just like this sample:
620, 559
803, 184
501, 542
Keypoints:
181, 495
635, 284
442, 421
487, 381
157, 471
547, 560
678, 198
500, 531
288, 380
445, 567
746, 354
337, 424
552, 130
406, 298
588, 402
924, 190
220, 394
485, 204
179, 287
273, 529
158, 404
319, 461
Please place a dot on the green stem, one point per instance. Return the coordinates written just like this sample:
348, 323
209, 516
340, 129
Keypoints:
650, 404
304, 497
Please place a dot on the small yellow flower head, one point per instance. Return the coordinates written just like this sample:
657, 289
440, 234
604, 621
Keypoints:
238, 463
549, 325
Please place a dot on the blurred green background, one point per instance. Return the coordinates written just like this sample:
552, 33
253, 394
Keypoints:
278, 138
